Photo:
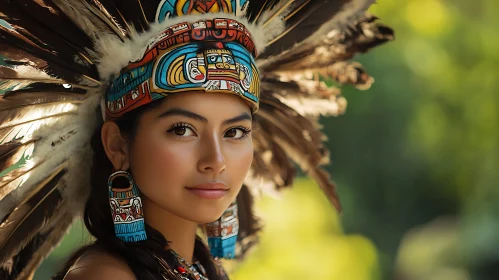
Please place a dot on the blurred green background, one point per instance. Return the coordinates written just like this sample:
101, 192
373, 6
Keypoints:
415, 158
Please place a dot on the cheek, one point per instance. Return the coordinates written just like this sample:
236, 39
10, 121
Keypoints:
239, 163
160, 166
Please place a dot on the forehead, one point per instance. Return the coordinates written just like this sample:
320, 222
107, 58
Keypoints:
208, 104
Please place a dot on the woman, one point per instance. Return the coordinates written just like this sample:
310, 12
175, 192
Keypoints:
189, 159
187, 111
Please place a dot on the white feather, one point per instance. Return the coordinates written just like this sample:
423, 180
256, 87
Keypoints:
74, 149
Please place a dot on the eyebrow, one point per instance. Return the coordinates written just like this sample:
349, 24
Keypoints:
189, 114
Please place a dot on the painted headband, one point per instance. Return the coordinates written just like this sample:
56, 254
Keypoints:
215, 55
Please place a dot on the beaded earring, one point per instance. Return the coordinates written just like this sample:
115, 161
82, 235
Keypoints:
126, 209
222, 234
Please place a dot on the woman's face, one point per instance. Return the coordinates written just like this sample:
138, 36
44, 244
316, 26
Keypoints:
191, 154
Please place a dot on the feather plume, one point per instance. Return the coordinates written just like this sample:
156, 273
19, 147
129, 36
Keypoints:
16, 57
14, 117
305, 17
258, 7
30, 215
248, 223
13, 153
65, 67
93, 18
339, 44
32, 97
43, 162
24, 131
60, 55
24, 264
310, 98
105, 16
26, 73
301, 141
270, 162
44, 16
15, 178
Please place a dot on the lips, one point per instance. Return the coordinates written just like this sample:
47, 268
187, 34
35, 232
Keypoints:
209, 190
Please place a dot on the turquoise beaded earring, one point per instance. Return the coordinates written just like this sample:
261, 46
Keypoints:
126, 209
222, 234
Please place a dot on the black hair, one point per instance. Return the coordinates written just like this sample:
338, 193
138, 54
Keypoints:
140, 256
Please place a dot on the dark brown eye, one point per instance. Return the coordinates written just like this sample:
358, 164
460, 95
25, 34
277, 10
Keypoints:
180, 131
231, 133
238, 133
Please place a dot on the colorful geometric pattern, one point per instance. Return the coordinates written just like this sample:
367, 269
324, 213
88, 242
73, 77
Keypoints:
175, 8
215, 55
126, 210
222, 234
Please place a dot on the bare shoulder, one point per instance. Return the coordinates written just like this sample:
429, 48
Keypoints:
98, 265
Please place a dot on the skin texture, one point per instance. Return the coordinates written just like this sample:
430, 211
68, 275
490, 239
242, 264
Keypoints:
99, 266
164, 160
173, 149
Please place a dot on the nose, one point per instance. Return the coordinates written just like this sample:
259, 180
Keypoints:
212, 159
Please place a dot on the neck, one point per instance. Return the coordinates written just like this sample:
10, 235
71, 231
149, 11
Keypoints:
180, 233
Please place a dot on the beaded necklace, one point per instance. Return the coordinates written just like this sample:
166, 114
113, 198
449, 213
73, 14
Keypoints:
184, 269
196, 269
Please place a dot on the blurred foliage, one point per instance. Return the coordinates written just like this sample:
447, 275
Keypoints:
415, 159
423, 142
303, 239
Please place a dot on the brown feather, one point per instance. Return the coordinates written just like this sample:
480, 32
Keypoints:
130, 11
298, 128
25, 263
106, 17
322, 178
348, 73
12, 153
279, 10
66, 68
339, 45
12, 183
257, 7
15, 178
45, 20
310, 98
12, 78
22, 98
300, 139
7, 149
14, 117
37, 98
27, 15
55, 88
24, 131
19, 57
30, 215
249, 224
270, 162
304, 17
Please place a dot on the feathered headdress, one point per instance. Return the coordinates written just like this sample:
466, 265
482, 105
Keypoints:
68, 59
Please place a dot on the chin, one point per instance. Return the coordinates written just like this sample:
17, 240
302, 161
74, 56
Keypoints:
202, 210
206, 220
204, 214
208, 216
